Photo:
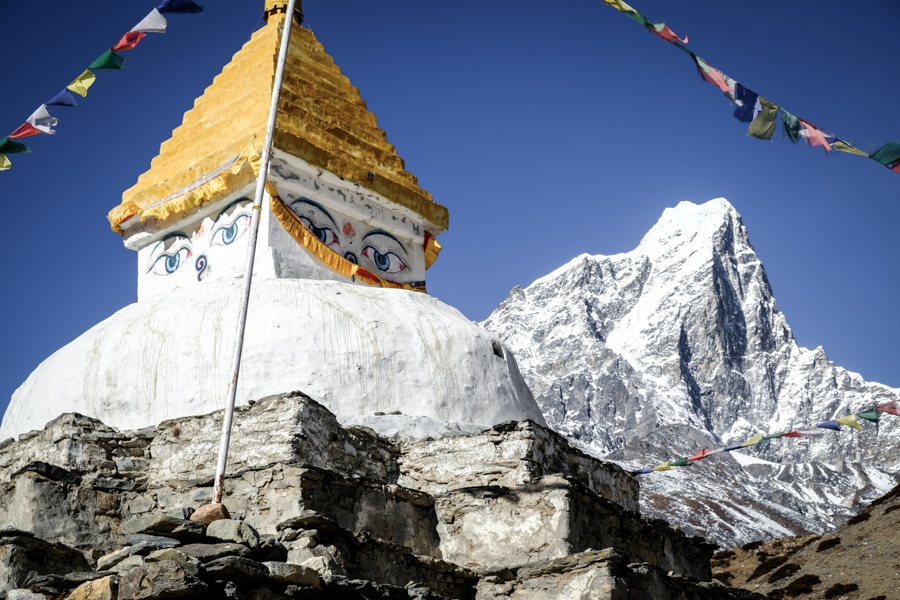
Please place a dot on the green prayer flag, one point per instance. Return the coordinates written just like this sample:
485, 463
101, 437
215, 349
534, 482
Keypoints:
763, 126
870, 415
681, 462
887, 154
108, 60
791, 126
771, 436
8, 146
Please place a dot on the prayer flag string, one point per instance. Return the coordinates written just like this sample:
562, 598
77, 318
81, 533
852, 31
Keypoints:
761, 113
852, 420
41, 121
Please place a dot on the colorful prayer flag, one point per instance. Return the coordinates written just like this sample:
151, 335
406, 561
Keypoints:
152, 23
129, 41
842, 146
754, 440
620, 5
791, 125
663, 467
180, 6
82, 83
8, 146
663, 31
869, 415
5, 163
63, 98
814, 136
731, 447
829, 425
892, 408
643, 471
763, 125
702, 454
887, 154
810, 432
711, 74
746, 103
681, 462
107, 60
791, 434
42, 120
23, 131
849, 421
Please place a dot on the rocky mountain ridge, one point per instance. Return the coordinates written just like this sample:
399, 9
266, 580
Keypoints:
678, 345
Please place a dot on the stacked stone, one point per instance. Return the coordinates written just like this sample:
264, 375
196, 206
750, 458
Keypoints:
168, 556
318, 510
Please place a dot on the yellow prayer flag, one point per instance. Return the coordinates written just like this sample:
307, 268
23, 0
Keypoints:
5, 163
620, 5
754, 440
843, 146
849, 421
667, 466
82, 83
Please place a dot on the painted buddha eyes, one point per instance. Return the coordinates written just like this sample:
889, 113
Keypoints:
169, 262
380, 249
227, 234
326, 234
386, 255
311, 215
386, 261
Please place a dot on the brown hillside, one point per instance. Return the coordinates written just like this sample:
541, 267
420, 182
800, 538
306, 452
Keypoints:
860, 560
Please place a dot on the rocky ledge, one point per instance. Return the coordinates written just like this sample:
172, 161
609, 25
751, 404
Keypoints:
317, 510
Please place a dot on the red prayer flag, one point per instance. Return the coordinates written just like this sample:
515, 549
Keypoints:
712, 75
25, 130
666, 33
892, 408
894, 167
791, 434
702, 454
129, 41
814, 136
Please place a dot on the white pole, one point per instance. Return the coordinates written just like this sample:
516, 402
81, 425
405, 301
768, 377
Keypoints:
251, 252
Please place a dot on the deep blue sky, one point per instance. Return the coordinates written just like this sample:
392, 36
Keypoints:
548, 130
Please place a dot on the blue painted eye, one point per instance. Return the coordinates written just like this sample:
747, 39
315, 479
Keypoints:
388, 262
326, 234
169, 262
227, 234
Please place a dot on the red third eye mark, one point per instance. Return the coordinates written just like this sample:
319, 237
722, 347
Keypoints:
349, 231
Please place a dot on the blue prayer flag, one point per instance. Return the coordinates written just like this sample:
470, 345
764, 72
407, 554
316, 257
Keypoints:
64, 98
179, 6
744, 112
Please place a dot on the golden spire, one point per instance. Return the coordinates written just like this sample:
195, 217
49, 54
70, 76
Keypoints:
322, 120
281, 6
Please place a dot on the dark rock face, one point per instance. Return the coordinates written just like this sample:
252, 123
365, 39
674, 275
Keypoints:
322, 511
678, 345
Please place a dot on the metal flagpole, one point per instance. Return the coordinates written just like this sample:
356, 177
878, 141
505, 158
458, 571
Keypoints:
251, 252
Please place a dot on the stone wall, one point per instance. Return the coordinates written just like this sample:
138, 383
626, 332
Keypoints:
84, 506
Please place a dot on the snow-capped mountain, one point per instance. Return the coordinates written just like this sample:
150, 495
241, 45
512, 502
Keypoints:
678, 345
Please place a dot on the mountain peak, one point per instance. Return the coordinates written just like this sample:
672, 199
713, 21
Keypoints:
678, 344
688, 223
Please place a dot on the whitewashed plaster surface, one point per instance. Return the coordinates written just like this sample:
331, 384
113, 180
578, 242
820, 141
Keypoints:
357, 349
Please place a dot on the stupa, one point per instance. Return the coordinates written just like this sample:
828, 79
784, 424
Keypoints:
338, 307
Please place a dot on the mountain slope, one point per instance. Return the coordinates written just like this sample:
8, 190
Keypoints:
653, 354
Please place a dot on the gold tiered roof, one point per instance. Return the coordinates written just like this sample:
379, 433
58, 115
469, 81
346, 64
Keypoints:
321, 119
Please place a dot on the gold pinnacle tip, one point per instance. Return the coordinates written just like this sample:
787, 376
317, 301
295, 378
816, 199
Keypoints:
281, 6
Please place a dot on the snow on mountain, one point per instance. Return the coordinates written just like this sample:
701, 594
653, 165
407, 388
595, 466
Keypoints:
677, 345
